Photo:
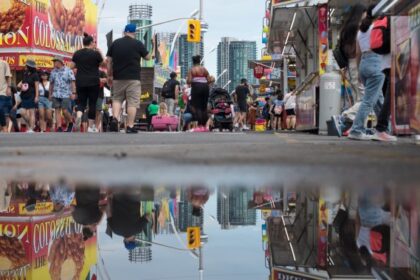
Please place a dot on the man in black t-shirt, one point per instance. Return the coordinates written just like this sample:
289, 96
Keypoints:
87, 61
124, 218
124, 57
171, 96
241, 95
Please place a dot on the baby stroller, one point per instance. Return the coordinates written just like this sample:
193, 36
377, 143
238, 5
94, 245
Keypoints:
220, 107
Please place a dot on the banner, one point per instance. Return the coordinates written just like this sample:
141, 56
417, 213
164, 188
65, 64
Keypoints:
323, 37
258, 71
44, 248
400, 78
414, 99
322, 233
280, 273
49, 25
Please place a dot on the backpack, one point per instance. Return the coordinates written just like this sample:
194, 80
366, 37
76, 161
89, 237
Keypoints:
278, 110
166, 89
380, 38
380, 239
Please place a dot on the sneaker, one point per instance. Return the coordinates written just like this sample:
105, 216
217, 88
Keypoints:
60, 129
113, 125
337, 125
197, 129
245, 127
92, 130
131, 130
30, 131
236, 125
384, 137
360, 137
70, 127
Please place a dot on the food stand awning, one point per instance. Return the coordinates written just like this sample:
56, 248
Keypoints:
395, 7
287, 19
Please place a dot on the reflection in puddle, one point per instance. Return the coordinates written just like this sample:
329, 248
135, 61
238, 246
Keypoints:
59, 231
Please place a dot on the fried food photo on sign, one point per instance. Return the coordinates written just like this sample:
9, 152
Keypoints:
68, 16
12, 254
12, 15
66, 257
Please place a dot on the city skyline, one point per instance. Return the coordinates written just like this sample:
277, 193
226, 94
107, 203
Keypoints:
241, 25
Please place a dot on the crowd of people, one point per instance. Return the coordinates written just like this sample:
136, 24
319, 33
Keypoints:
89, 205
71, 97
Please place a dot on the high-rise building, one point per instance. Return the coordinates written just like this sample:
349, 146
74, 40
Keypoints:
141, 15
223, 60
185, 216
223, 208
186, 52
232, 207
234, 55
240, 52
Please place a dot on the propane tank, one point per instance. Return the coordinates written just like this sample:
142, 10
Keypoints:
329, 97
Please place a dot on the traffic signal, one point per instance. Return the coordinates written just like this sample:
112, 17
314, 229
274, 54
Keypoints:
194, 31
193, 237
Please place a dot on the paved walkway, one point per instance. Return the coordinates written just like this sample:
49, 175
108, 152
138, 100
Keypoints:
217, 158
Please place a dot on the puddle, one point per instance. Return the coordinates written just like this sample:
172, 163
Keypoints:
66, 231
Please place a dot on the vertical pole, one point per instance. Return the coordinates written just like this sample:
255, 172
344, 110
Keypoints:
200, 266
285, 75
201, 9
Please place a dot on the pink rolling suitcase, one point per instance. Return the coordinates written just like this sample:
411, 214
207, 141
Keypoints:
165, 123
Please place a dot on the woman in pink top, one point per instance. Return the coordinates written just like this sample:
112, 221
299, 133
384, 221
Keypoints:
198, 79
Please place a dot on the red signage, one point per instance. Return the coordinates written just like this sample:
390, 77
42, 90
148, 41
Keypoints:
258, 71
51, 26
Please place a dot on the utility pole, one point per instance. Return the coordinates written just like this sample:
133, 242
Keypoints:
201, 9
200, 264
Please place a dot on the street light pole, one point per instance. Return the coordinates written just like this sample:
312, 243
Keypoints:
201, 9
200, 264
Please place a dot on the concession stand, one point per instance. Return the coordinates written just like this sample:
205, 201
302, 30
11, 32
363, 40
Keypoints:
41, 29
405, 71
38, 243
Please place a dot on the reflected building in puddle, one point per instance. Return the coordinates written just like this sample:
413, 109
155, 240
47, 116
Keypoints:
232, 207
185, 213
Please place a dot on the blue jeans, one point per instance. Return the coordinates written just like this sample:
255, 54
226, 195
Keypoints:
373, 78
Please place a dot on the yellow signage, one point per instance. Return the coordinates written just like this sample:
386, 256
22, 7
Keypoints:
43, 61
41, 208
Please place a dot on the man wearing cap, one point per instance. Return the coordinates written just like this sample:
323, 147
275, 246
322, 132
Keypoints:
5, 93
62, 90
123, 58
124, 219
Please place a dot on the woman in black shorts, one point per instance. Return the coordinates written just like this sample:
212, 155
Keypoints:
198, 79
290, 106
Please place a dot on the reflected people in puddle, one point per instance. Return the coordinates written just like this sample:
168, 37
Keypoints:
124, 217
61, 231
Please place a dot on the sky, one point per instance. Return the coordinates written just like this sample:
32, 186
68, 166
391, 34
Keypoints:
235, 254
241, 19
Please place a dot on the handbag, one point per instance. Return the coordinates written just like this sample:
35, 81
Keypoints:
340, 56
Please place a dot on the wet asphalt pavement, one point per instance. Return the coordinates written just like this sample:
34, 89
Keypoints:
209, 158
